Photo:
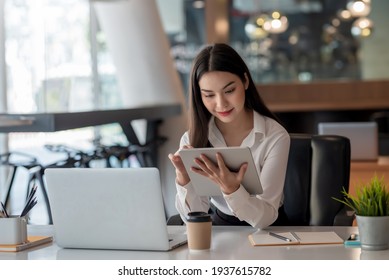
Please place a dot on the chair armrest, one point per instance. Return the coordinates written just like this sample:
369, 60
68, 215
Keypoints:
175, 220
345, 217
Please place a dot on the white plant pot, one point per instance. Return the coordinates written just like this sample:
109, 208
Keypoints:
373, 232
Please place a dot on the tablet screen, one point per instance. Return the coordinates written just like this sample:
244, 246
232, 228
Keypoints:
233, 157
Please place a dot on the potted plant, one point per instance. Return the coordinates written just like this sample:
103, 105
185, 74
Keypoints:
371, 207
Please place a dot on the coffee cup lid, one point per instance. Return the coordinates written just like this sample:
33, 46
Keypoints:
198, 217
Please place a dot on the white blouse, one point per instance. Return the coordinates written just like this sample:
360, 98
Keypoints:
269, 143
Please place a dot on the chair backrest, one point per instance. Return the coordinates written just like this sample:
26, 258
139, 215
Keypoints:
318, 169
382, 120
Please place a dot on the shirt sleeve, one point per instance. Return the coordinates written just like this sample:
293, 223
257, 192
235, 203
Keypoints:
261, 211
186, 198
188, 201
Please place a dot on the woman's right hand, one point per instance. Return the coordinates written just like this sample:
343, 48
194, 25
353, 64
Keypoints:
182, 177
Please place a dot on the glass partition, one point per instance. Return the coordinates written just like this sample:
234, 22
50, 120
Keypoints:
322, 39
312, 41
48, 65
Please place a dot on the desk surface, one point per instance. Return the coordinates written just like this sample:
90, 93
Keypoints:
51, 122
228, 243
382, 163
362, 172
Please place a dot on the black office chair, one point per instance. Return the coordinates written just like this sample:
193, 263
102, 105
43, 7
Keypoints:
318, 168
382, 120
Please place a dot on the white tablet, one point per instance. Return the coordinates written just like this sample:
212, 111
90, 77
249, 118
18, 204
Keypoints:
234, 157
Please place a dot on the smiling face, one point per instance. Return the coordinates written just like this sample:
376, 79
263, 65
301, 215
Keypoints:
223, 94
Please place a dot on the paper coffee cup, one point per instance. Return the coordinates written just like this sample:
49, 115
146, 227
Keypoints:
199, 230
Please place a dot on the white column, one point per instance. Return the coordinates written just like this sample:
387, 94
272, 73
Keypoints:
3, 92
145, 71
373, 52
3, 80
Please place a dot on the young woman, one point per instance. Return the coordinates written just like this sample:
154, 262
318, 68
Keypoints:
226, 110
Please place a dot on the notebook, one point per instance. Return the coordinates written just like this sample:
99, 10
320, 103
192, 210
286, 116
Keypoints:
363, 137
109, 208
264, 238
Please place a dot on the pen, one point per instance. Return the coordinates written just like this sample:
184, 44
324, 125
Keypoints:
31, 202
28, 207
4, 210
295, 235
280, 236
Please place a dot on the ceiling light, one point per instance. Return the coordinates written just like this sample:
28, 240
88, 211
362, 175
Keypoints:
277, 23
359, 8
362, 27
254, 27
198, 4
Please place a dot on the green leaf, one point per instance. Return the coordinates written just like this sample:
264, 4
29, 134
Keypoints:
371, 199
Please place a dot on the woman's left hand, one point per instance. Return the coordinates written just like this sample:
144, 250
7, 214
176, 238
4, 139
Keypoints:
219, 173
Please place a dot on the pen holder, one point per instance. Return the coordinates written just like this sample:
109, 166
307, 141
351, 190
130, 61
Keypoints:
13, 230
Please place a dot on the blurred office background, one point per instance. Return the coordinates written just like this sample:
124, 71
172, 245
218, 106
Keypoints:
56, 55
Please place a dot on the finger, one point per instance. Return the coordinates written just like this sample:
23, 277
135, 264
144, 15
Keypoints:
206, 174
174, 162
242, 171
209, 163
187, 147
199, 171
220, 162
177, 162
200, 164
173, 158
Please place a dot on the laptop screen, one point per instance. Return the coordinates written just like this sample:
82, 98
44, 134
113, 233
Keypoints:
363, 137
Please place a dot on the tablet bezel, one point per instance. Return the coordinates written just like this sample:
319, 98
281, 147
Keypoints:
234, 157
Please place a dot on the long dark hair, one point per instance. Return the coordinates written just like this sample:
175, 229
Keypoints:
217, 57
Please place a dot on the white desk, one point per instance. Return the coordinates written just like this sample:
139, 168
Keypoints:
228, 243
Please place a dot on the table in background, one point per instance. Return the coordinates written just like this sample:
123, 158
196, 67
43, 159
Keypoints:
57, 121
228, 243
363, 171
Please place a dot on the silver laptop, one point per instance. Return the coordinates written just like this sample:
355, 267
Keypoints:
109, 208
363, 137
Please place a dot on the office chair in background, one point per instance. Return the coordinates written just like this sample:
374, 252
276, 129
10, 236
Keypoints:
16, 161
318, 169
382, 120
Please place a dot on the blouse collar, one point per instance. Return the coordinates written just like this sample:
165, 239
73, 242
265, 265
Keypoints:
257, 133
